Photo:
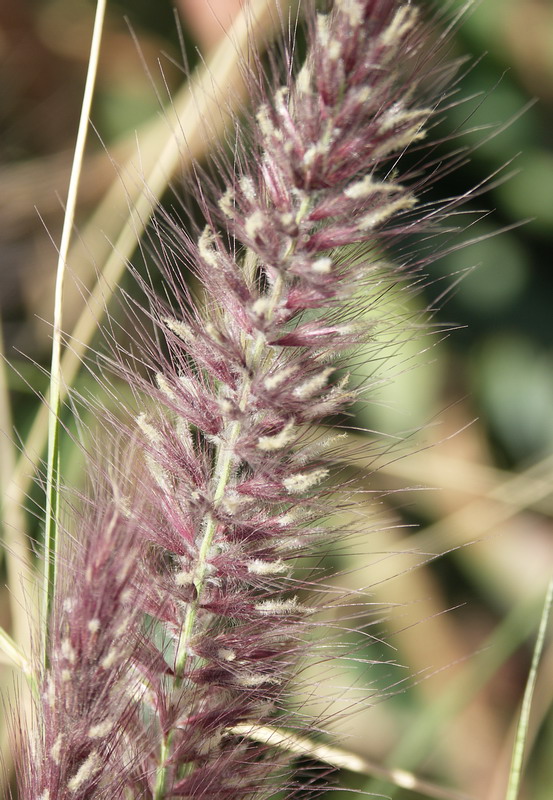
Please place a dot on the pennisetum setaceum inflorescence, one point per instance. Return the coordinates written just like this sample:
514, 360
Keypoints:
191, 619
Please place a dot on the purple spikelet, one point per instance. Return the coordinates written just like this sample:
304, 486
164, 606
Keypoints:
237, 479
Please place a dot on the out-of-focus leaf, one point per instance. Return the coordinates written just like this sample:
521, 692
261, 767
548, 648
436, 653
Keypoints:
514, 382
501, 271
530, 192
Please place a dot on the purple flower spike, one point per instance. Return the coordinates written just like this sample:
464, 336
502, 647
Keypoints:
235, 465
235, 477
92, 691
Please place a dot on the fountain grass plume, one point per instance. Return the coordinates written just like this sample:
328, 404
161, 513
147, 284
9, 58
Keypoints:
88, 703
232, 482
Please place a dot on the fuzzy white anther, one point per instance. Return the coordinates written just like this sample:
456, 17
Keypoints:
253, 679
184, 578
206, 247
318, 149
110, 659
261, 306
290, 606
334, 49
86, 771
314, 384
55, 752
101, 729
248, 188
273, 381
302, 481
322, 266
323, 29
151, 433
255, 223
49, 693
259, 567
226, 204
265, 123
380, 215
180, 329
165, 387
353, 9
404, 19
278, 440
303, 81
93, 625
159, 475
367, 186
67, 651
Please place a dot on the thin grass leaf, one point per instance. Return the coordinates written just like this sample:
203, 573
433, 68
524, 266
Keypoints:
54, 405
515, 772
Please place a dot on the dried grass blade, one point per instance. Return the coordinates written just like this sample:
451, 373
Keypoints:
54, 404
12, 519
343, 759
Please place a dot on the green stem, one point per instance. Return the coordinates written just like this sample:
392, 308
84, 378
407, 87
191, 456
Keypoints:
223, 469
223, 474
161, 776
515, 772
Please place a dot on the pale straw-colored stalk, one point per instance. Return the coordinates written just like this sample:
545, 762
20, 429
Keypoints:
340, 758
56, 374
12, 519
18, 561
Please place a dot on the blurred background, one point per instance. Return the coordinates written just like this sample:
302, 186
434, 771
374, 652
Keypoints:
482, 394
